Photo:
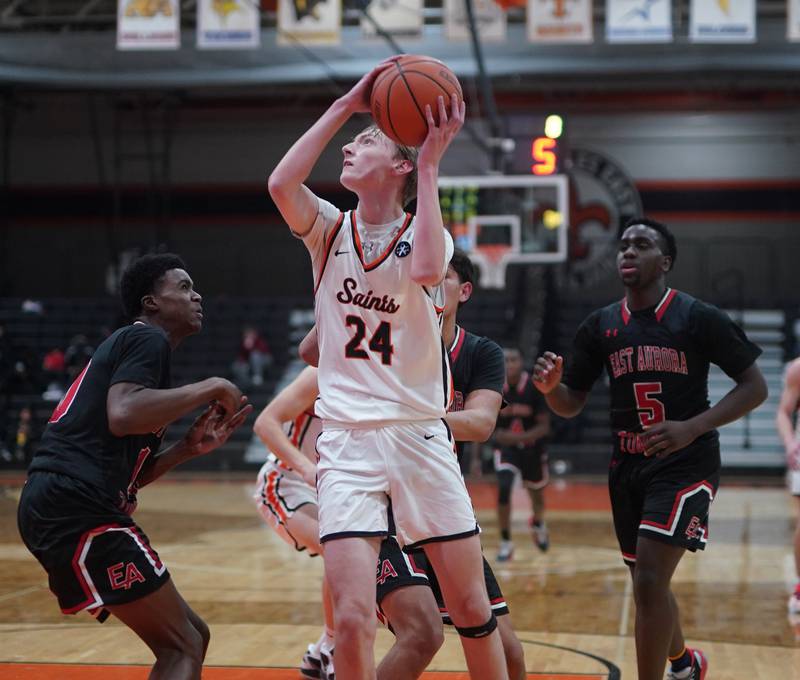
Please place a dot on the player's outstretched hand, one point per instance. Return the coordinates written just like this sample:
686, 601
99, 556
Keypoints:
666, 437
439, 136
211, 429
227, 396
547, 372
358, 98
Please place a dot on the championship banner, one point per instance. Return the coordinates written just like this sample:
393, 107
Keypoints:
490, 20
316, 22
723, 21
228, 24
148, 25
793, 20
639, 21
397, 17
560, 21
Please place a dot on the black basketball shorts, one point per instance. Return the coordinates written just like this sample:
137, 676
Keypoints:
664, 499
397, 569
530, 464
93, 554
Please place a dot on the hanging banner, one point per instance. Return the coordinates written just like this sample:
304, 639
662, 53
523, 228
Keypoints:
793, 20
722, 21
228, 24
490, 20
316, 22
639, 21
397, 17
560, 21
148, 25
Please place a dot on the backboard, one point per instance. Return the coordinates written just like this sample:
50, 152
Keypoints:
503, 219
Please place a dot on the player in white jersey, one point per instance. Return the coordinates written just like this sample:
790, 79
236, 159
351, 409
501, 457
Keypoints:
384, 378
285, 493
787, 412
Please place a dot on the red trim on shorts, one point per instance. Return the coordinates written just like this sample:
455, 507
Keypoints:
90, 599
676, 505
272, 497
628, 557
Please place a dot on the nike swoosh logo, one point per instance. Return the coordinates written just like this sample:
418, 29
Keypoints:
429, 436
341, 252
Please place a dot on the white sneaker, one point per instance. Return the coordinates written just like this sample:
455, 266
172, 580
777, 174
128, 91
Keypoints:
541, 537
794, 603
506, 551
311, 665
326, 657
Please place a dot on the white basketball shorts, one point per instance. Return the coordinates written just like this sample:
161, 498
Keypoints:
794, 482
413, 464
279, 493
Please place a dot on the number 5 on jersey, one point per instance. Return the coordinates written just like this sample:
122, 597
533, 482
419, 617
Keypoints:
380, 342
651, 410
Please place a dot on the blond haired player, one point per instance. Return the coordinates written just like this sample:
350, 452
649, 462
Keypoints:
285, 493
384, 378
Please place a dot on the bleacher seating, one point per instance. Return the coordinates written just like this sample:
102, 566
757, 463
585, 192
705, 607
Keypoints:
209, 353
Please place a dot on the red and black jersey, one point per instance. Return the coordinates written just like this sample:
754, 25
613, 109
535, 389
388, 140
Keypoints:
476, 363
657, 361
77, 441
524, 393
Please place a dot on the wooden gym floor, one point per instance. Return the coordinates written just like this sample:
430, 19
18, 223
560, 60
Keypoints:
572, 606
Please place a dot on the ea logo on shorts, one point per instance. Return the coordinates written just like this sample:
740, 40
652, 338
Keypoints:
403, 248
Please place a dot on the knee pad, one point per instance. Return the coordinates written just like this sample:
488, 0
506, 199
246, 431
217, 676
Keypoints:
479, 631
505, 482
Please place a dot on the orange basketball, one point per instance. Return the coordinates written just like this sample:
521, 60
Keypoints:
400, 94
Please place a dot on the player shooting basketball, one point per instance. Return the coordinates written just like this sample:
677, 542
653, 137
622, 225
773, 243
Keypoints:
384, 377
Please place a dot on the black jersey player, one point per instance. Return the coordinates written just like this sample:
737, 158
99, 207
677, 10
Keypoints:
101, 444
415, 615
656, 345
520, 439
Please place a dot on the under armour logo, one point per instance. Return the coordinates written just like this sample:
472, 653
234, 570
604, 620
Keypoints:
403, 249
611, 332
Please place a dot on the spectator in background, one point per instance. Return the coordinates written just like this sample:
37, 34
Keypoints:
77, 356
254, 356
54, 370
25, 436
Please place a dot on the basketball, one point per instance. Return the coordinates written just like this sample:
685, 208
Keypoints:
400, 94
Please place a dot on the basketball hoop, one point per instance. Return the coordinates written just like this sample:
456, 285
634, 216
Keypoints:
492, 259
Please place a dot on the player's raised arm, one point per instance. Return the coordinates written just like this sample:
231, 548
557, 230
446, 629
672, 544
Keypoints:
428, 264
296, 202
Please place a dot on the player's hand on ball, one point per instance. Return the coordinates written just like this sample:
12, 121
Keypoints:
358, 98
547, 372
439, 136
667, 437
